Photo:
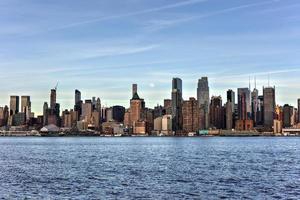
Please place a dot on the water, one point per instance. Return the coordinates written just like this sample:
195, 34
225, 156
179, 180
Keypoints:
151, 168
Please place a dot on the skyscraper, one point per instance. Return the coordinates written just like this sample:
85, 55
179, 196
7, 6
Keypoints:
203, 102
231, 98
14, 105
287, 115
217, 113
190, 115
4, 114
137, 114
78, 104
254, 105
244, 105
177, 103
26, 106
77, 97
53, 99
269, 106
229, 115
45, 113
25, 102
134, 88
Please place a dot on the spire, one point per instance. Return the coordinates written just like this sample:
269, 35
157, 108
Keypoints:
255, 82
268, 80
249, 84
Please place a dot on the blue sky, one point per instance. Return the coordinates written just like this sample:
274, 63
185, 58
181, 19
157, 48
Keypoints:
101, 47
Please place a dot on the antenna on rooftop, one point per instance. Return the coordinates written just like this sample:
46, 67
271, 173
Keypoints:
255, 82
56, 86
268, 80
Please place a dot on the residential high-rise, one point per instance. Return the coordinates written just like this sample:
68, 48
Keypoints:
53, 99
14, 105
203, 102
190, 115
244, 105
269, 106
177, 103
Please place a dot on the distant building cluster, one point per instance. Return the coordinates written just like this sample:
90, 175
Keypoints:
244, 111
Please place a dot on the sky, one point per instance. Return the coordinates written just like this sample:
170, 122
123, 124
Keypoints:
101, 47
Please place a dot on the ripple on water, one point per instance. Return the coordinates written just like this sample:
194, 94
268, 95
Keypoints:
153, 168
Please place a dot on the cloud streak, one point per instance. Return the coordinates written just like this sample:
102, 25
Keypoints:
160, 24
141, 12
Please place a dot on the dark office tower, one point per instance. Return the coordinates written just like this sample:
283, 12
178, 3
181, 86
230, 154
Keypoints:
260, 111
45, 114
14, 105
78, 104
216, 112
203, 102
287, 115
53, 99
118, 113
244, 106
177, 103
298, 110
134, 89
231, 98
254, 105
269, 106
77, 97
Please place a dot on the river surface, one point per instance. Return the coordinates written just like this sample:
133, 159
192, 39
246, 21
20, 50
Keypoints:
150, 168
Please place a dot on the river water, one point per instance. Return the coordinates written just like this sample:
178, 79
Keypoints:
150, 168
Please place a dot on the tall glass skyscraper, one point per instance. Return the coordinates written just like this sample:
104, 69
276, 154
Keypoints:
177, 103
203, 102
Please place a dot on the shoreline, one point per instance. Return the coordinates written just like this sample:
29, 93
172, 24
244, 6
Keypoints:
142, 136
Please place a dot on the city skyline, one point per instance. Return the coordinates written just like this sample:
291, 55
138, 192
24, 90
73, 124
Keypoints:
96, 47
53, 98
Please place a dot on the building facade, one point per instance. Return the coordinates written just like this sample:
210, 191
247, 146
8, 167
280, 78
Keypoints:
203, 102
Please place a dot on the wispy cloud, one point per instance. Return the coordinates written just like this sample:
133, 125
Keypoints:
263, 73
140, 12
155, 25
